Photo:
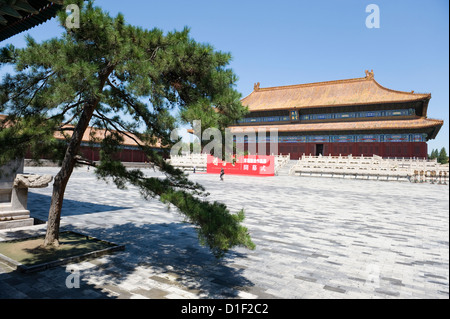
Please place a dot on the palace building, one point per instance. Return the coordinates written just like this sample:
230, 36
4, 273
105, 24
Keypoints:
354, 116
129, 150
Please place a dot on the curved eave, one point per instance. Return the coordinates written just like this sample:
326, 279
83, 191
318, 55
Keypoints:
436, 130
416, 124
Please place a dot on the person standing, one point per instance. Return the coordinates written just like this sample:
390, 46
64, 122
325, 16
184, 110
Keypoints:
222, 172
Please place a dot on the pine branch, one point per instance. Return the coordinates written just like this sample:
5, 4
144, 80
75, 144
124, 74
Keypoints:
77, 113
45, 79
113, 124
137, 108
84, 161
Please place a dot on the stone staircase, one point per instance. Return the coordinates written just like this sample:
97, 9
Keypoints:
285, 169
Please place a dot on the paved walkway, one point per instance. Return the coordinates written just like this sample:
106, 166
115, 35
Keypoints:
315, 238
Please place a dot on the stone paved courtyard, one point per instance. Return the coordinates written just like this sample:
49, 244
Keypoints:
315, 238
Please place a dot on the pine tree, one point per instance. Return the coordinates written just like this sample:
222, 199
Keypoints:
442, 158
434, 154
118, 77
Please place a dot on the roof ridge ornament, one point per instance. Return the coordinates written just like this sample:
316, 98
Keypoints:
256, 86
369, 75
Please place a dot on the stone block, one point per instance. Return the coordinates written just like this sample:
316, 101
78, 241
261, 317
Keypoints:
16, 223
14, 194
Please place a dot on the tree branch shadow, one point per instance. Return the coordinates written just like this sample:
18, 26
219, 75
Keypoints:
171, 249
153, 253
41, 204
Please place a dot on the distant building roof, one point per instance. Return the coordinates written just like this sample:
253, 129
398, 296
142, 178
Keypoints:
358, 91
17, 16
96, 134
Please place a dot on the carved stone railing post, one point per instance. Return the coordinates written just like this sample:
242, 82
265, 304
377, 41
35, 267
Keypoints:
14, 194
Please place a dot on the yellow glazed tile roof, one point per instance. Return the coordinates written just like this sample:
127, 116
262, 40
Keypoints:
359, 91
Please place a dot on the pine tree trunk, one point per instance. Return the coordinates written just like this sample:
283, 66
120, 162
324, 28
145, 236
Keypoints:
69, 161
62, 178
54, 215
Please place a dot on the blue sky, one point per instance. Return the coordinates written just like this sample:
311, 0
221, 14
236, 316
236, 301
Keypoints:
291, 42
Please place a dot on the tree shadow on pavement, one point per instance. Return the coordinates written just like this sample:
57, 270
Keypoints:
153, 252
171, 249
39, 206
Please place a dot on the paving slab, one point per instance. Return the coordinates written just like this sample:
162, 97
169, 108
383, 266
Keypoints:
315, 238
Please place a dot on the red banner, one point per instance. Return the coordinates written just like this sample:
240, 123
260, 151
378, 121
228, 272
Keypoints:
255, 165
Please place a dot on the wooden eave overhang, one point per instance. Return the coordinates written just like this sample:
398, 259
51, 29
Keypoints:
17, 16
432, 126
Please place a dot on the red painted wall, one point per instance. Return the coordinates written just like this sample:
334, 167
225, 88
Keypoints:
383, 149
134, 156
